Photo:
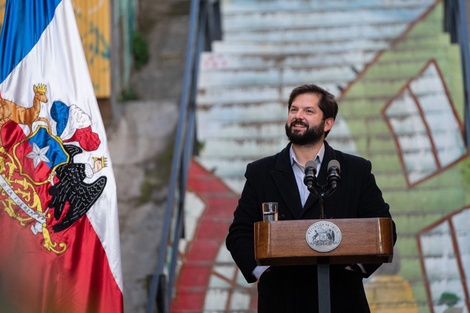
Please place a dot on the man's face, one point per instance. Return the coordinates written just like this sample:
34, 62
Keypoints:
305, 124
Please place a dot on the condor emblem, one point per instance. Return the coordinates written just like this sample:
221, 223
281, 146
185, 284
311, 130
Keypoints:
323, 236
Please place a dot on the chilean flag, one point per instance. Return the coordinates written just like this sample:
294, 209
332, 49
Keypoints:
59, 233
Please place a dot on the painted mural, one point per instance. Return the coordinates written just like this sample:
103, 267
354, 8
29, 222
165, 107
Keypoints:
413, 93
399, 82
94, 25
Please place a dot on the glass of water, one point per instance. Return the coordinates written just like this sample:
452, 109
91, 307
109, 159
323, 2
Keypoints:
270, 211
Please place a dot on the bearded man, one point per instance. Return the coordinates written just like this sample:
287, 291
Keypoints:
280, 178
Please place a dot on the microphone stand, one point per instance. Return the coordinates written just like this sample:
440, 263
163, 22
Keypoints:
323, 267
321, 192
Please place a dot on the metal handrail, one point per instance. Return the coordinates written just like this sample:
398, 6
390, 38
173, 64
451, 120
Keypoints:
455, 23
204, 27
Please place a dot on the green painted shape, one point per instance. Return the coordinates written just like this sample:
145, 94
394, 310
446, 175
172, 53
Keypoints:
361, 107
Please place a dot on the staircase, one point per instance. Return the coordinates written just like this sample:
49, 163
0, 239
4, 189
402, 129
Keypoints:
268, 48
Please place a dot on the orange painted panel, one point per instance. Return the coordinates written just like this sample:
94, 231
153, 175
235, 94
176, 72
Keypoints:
94, 20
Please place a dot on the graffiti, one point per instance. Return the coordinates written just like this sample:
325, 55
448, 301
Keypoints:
95, 45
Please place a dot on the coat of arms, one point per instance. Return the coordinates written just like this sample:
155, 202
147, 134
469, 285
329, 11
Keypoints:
41, 184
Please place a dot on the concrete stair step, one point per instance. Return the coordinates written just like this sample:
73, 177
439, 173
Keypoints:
241, 130
255, 19
240, 6
229, 61
322, 33
245, 148
262, 112
292, 76
276, 75
248, 95
283, 48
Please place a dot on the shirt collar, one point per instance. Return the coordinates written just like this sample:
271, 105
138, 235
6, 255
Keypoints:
319, 156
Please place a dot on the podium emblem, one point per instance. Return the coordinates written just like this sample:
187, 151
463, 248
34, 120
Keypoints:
323, 236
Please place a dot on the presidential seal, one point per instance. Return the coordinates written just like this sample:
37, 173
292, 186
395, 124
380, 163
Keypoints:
323, 236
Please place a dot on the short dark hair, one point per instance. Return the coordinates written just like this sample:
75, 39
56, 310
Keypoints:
327, 104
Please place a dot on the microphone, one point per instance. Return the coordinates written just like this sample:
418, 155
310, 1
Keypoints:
334, 174
310, 172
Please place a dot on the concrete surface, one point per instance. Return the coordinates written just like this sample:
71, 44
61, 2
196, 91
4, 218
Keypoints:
140, 144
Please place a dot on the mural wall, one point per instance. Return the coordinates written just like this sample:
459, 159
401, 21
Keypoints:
409, 109
398, 79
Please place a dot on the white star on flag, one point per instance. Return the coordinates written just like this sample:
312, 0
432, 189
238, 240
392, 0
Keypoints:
38, 154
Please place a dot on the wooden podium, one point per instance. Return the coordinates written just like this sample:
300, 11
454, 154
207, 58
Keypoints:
365, 240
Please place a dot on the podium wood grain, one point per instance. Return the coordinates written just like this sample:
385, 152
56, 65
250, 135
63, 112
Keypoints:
364, 240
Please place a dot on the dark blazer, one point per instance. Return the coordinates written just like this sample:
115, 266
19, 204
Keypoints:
294, 288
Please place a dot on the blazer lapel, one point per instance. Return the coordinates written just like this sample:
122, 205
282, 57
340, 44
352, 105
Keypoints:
284, 179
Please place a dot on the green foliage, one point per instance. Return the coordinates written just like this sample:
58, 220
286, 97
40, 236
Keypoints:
140, 51
128, 95
157, 175
200, 146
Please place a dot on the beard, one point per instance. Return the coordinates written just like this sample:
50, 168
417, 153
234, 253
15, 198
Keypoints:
311, 136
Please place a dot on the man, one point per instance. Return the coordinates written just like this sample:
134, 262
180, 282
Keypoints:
280, 178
